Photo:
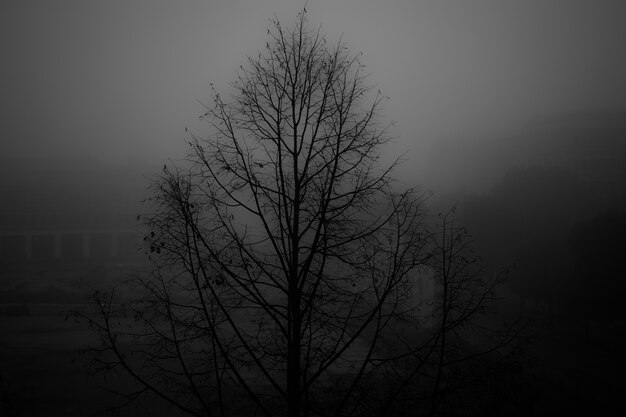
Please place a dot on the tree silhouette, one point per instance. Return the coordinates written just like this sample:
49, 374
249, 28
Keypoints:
286, 259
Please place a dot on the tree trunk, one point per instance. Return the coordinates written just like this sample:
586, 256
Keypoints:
293, 358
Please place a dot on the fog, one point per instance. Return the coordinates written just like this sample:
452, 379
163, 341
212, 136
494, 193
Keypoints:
515, 111
122, 79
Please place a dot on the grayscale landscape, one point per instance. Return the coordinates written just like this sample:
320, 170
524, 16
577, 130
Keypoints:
320, 208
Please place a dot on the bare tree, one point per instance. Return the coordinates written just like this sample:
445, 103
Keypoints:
285, 258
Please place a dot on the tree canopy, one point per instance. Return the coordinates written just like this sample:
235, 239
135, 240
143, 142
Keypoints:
287, 259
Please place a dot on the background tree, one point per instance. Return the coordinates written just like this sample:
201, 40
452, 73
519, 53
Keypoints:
285, 258
536, 208
596, 247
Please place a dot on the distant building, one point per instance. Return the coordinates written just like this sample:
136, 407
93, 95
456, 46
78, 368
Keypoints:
424, 296
69, 210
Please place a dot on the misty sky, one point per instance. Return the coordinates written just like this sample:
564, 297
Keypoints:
120, 80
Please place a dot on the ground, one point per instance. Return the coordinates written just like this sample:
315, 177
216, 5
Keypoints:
569, 368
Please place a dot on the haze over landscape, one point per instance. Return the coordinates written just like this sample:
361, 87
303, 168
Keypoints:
515, 111
120, 80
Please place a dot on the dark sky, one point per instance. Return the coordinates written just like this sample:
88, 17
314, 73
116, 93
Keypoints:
121, 79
